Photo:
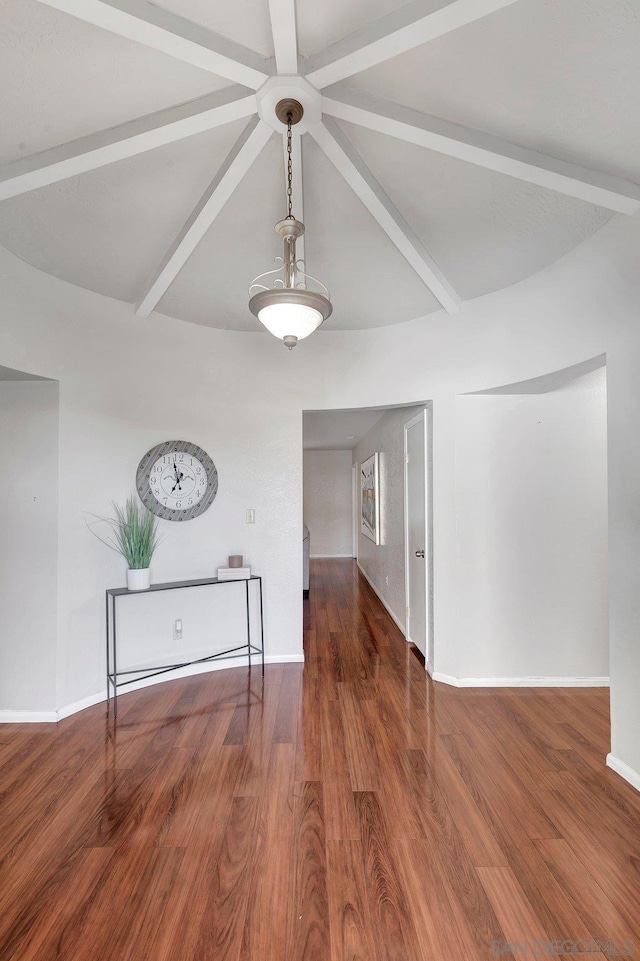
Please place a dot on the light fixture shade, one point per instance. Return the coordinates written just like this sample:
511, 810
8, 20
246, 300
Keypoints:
296, 320
290, 314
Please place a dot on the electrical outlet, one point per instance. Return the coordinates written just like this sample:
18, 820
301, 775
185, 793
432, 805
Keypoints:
177, 629
386, 580
251, 516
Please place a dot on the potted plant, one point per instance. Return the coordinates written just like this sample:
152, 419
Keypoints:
134, 534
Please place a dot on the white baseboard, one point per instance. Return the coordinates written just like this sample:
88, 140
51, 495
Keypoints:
81, 705
28, 717
39, 717
633, 777
317, 557
520, 681
375, 590
284, 659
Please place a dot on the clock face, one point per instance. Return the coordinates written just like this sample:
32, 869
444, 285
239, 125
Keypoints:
177, 480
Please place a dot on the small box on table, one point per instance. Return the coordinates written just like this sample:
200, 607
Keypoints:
234, 573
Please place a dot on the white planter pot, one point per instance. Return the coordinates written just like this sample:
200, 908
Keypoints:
139, 580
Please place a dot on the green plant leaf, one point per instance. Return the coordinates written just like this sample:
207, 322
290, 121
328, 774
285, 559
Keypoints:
134, 533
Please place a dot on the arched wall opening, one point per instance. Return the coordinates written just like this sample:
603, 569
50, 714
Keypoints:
532, 531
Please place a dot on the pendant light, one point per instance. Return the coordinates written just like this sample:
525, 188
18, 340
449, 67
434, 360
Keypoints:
289, 308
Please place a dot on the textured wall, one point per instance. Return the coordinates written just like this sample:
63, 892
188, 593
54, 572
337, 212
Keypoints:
531, 494
383, 563
126, 385
327, 501
29, 538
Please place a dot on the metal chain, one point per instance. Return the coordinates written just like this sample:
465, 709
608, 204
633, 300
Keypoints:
289, 171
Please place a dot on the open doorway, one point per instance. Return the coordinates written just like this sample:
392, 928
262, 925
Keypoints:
29, 531
360, 433
329, 505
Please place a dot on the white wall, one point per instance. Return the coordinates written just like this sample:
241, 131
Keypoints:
110, 365
531, 495
383, 563
327, 502
623, 396
29, 538
117, 379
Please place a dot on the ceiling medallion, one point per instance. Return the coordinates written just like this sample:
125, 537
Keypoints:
289, 308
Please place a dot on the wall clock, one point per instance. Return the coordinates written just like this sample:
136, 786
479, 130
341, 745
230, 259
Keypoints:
177, 480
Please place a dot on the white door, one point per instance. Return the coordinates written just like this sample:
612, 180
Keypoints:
416, 531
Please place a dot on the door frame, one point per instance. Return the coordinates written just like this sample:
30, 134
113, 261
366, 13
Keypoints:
355, 510
424, 418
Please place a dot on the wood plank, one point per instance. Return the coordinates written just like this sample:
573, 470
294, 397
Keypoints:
510, 818
271, 887
352, 934
504, 791
477, 835
179, 927
201, 800
135, 876
309, 734
615, 867
340, 814
393, 926
587, 893
217, 818
387, 727
309, 940
518, 920
256, 753
447, 848
286, 723
443, 926
52, 933
360, 742
222, 926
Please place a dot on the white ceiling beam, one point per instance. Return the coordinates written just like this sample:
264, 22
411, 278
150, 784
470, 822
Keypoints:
297, 195
146, 23
348, 163
125, 140
239, 160
484, 150
408, 27
285, 38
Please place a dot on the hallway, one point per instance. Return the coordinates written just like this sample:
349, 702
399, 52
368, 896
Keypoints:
350, 810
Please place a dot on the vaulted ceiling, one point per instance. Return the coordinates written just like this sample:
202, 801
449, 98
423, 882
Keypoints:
448, 149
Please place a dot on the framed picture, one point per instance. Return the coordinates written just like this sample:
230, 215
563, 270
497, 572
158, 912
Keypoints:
370, 499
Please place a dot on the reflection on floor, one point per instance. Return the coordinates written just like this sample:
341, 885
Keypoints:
350, 809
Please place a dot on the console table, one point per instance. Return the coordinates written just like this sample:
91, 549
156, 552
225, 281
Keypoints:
114, 593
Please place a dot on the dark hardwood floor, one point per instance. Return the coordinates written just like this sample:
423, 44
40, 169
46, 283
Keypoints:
352, 810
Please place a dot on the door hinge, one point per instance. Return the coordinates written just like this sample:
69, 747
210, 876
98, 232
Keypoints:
406, 458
